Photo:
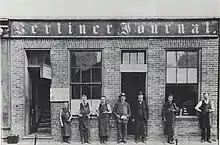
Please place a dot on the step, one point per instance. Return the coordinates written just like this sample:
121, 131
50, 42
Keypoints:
44, 129
44, 124
45, 120
41, 137
46, 114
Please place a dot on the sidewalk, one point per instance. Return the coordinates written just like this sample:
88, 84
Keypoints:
23, 142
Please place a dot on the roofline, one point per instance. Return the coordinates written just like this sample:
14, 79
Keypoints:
112, 19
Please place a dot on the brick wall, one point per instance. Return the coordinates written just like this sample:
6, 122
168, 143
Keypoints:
112, 78
17, 87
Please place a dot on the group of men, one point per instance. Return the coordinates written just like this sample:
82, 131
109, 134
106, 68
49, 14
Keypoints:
122, 112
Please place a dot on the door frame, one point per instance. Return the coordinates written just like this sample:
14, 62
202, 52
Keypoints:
28, 86
146, 88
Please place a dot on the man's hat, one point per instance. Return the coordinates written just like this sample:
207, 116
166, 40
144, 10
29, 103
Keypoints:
122, 94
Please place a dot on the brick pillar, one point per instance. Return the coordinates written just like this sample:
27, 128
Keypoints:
156, 86
17, 87
59, 62
112, 78
210, 75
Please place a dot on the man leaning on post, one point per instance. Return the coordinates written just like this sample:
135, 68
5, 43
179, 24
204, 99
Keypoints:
122, 112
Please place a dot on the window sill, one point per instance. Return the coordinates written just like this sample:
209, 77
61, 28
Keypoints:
186, 118
91, 117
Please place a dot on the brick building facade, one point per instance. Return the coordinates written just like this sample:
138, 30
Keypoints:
142, 59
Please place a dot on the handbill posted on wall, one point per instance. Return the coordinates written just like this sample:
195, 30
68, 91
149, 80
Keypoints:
59, 94
45, 71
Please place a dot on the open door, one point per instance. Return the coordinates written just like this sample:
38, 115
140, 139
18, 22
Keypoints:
131, 85
39, 102
38, 111
33, 80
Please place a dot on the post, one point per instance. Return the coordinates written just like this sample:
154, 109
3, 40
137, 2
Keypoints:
35, 139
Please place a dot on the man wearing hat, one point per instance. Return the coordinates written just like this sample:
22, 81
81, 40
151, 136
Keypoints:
122, 112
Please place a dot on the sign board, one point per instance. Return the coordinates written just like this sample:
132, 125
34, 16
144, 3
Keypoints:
59, 94
114, 28
45, 72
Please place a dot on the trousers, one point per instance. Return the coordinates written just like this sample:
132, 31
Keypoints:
84, 135
206, 133
122, 131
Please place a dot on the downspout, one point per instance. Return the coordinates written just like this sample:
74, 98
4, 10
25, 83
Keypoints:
218, 80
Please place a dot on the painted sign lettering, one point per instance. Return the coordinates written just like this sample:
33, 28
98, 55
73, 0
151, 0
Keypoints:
117, 28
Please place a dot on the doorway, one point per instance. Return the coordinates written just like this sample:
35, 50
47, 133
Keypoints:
39, 96
131, 85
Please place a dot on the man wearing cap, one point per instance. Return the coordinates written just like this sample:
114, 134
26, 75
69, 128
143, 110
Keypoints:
122, 112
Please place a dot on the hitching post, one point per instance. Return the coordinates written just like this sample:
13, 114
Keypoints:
35, 139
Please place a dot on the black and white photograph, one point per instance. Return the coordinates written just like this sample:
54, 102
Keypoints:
124, 72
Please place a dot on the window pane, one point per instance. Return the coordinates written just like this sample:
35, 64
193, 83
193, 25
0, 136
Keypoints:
47, 57
171, 75
133, 58
181, 59
141, 58
86, 59
192, 75
192, 59
171, 59
86, 90
86, 75
125, 58
75, 74
75, 59
98, 59
96, 91
76, 92
181, 75
90, 59
185, 96
96, 74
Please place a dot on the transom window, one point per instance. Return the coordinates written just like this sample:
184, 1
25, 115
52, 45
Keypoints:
86, 74
182, 79
133, 57
38, 57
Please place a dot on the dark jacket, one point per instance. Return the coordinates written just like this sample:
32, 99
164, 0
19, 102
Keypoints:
141, 110
168, 113
122, 109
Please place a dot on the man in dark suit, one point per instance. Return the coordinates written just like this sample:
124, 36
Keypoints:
140, 118
122, 112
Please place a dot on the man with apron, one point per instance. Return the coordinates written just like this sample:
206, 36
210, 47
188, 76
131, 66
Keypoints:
205, 108
103, 112
84, 116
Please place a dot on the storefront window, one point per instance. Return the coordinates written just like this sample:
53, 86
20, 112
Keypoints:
181, 81
182, 66
86, 74
133, 57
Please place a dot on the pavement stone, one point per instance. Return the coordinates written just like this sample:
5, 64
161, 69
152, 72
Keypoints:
22, 142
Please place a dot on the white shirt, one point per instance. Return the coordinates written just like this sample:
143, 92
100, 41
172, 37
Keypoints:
200, 104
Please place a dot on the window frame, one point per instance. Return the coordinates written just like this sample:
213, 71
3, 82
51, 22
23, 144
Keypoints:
176, 67
199, 68
83, 83
129, 51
